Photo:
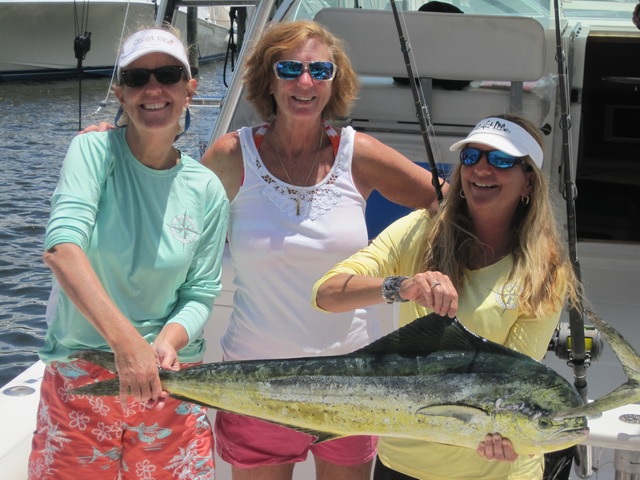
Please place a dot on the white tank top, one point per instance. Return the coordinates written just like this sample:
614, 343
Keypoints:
282, 239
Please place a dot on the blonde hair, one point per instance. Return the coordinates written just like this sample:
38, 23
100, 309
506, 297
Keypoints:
284, 37
540, 257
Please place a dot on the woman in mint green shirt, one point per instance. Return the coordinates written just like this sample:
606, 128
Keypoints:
134, 241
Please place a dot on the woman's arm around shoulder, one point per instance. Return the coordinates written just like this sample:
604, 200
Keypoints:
377, 166
224, 158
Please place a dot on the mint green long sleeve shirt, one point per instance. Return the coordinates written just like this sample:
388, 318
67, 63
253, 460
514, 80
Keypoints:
153, 237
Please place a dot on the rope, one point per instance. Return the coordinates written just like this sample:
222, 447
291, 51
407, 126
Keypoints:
104, 102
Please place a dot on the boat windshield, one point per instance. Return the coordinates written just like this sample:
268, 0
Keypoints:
609, 14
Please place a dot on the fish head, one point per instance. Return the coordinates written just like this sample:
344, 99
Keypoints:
543, 433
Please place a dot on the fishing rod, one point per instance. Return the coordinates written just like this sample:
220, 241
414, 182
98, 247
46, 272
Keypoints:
579, 359
422, 111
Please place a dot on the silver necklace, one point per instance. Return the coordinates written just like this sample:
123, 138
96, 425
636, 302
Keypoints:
297, 192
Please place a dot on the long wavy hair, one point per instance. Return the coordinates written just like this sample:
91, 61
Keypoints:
539, 252
285, 37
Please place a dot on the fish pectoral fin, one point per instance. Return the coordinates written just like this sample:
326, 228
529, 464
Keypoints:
463, 413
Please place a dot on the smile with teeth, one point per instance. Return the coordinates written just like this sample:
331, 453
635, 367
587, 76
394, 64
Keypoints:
154, 106
303, 99
483, 185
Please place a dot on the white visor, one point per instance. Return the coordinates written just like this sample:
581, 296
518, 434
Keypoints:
505, 136
153, 40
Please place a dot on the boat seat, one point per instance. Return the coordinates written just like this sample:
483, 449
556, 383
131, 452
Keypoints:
444, 45
383, 99
504, 56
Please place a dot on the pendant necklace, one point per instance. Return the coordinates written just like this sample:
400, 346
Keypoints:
298, 193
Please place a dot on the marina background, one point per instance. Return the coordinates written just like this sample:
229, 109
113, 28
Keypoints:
37, 122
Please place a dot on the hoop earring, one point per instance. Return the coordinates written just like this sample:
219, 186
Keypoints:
462, 194
525, 200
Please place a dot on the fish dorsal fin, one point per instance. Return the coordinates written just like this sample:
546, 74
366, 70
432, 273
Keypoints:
432, 333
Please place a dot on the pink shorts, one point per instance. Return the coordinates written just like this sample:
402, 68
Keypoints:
91, 437
247, 442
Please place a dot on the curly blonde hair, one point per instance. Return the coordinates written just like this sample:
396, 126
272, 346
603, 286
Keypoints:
284, 37
540, 256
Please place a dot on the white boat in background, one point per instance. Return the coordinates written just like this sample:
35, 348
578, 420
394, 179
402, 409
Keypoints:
508, 49
38, 36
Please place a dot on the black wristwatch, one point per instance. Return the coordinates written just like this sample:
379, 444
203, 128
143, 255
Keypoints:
391, 287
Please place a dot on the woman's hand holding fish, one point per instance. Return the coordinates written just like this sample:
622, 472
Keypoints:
138, 372
167, 355
495, 447
433, 290
171, 339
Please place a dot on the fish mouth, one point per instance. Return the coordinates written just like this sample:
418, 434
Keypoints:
575, 433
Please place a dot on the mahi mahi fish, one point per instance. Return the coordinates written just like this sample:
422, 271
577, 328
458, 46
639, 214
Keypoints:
431, 380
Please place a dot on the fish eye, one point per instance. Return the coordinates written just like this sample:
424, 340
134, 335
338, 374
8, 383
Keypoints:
545, 423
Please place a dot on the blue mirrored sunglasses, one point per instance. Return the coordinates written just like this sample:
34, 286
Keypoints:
292, 69
139, 77
496, 158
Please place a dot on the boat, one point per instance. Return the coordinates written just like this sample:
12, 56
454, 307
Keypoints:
509, 51
39, 37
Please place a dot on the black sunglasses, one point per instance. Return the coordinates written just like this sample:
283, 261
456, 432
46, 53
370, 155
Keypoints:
292, 69
139, 77
496, 158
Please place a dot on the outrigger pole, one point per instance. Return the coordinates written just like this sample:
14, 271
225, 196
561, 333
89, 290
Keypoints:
422, 111
578, 357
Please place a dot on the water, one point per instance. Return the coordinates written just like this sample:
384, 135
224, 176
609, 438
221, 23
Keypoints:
38, 120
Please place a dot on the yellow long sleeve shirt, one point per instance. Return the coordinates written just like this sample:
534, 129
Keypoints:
488, 306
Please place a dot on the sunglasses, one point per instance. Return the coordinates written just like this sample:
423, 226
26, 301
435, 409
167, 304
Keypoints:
139, 77
292, 69
496, 158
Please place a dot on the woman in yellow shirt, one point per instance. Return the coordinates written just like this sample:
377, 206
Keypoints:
493, 257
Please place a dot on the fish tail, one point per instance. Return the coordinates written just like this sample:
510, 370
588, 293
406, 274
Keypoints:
625, 394
104, 359
109, 387
627, 355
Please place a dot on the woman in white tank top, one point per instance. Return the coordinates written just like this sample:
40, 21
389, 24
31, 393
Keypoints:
298, 190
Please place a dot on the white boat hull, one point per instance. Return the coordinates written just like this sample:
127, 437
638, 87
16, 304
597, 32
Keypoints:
18, 405
37, 37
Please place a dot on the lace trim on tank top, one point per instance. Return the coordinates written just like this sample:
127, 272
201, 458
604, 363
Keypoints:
303, 202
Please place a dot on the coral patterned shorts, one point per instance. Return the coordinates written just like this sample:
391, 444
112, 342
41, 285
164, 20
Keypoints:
92, 437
